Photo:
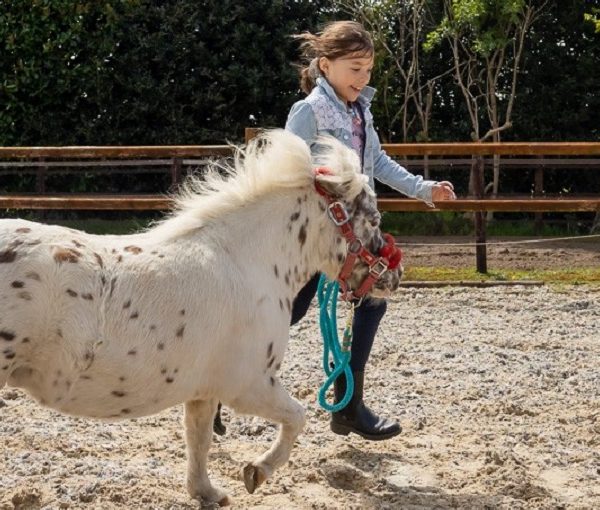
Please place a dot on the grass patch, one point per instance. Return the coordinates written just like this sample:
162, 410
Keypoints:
439, 223
588, 276
456, 223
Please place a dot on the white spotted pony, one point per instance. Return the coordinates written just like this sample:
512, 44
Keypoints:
196, 309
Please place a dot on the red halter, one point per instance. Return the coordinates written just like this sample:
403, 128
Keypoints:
389, 257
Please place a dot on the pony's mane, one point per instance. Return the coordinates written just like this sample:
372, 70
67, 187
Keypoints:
275, 161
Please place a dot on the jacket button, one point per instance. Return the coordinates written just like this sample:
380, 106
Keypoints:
345, 137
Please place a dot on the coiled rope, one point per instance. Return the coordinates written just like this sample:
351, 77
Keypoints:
327, 293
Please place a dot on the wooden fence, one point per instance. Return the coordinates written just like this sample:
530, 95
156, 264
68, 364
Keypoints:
173, 159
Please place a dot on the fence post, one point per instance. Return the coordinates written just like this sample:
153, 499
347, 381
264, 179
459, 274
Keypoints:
176, 172
480, 249
40, 188
538, 190
40, 178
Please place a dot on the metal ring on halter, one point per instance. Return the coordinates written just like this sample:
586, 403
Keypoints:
378, 268
343, 214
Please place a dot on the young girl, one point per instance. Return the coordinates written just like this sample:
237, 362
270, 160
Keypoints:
339, 64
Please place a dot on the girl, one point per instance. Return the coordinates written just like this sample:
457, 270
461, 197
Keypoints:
339, 63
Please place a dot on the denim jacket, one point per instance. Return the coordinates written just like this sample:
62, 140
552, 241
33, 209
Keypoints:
323, 113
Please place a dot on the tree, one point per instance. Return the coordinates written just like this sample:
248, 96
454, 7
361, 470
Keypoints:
199, 72
593, 17
52, 55
487, 39
559, 95
146, 71
398, 30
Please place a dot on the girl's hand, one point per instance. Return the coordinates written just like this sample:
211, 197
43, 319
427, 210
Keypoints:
443, 191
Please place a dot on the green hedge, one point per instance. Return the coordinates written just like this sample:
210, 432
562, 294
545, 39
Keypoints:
146, 71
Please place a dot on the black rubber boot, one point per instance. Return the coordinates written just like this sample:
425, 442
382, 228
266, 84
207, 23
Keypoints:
357, 417
218, 427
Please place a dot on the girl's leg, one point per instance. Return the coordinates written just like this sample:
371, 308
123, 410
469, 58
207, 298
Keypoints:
356, 416
364, 328
304, 299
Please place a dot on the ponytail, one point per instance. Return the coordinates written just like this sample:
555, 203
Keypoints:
309, 75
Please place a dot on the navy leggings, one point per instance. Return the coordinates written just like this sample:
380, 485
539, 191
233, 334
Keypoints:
364, 328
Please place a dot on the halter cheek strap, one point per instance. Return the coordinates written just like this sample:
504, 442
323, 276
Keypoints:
390, 255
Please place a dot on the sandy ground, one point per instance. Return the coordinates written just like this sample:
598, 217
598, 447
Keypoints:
502, 253
497, 389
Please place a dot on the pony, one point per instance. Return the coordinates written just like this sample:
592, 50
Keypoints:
196, 308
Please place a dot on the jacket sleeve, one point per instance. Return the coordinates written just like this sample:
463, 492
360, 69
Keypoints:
386, 170
302, 122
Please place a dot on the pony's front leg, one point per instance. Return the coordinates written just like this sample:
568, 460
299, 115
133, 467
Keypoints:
199, 415
269, 400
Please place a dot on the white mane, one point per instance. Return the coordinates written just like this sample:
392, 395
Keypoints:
277, 161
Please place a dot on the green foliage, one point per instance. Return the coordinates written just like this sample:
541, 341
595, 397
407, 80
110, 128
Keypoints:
51, 51
593, 17
190, 71
448, 223
486, 24
438, 223
560, 92
146, 71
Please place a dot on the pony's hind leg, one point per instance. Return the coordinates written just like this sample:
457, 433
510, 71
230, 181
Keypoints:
199, 415
271, 401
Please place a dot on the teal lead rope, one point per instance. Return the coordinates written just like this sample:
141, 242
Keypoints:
327, 293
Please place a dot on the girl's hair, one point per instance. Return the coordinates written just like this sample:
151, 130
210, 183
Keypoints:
337, 39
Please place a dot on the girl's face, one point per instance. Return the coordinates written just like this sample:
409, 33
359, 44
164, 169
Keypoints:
347, 75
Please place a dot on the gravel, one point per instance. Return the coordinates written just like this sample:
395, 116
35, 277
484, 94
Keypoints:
497, 390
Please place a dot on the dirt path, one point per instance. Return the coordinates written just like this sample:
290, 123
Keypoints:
502, 253
498, 392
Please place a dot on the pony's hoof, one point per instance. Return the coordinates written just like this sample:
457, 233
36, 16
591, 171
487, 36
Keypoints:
253, 477
225, 501
210, 497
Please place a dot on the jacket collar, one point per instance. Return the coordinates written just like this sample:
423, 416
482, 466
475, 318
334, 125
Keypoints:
365, 97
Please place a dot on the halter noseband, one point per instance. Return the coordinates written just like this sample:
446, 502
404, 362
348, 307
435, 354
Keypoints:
389, 257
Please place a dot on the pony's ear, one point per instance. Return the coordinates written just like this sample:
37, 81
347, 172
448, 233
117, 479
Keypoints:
344, 187
344, 178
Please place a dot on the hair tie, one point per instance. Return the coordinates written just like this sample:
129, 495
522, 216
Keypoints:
313, 68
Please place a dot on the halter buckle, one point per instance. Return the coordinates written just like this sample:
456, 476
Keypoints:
378, 268
338, 214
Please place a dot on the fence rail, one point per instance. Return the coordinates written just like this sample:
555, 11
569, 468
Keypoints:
491, 149
45, 160
474, 156
147, 202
